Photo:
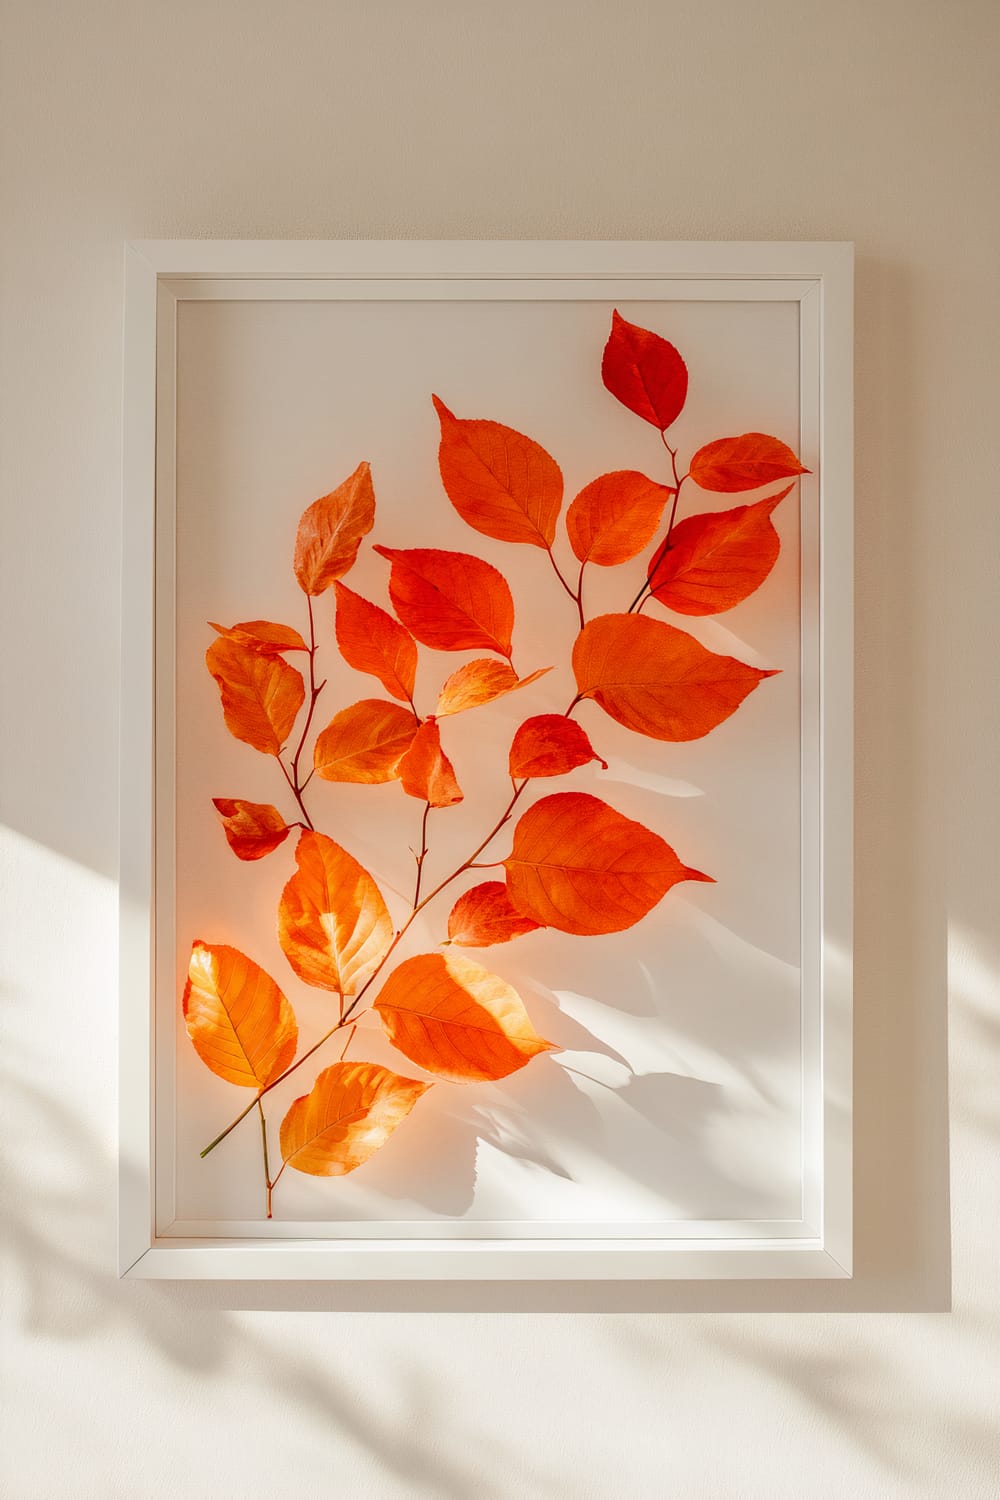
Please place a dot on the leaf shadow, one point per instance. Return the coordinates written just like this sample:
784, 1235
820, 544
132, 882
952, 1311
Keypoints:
56, 1238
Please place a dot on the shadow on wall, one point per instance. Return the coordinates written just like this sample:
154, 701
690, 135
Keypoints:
58, 1235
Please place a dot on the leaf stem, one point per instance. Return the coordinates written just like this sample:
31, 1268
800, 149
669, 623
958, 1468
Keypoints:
422, 855
267, 1166
664, 546
297, 786
296, 793
575, 596
579, 594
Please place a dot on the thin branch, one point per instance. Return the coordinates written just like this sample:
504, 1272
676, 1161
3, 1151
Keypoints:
267, 1166
273, 1085
574, 595
296, 793
296, 785
422, 855
352, 1009
559, 575
664, 546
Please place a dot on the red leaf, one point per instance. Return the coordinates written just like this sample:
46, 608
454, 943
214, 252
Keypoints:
240, 1023
484, 916
501, 483
426, 772
261, 695
333, 924
743, 463
451, 600
550, 745
715, 561
658, 680
581, 867
457, 1020
480, 682
644, 372
253, 829
614, 517
364, 742
350, 1113
370, 640
263, 636
331, 529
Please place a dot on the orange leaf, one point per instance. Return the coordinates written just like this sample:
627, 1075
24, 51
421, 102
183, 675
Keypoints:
644, 372
500, 482
658, 680
743, 463
581, 867
425, 770
370, 640
364, 742
484, 916
252, 828
450, 600
331, 529
261, 695
613, 517
716, 560
479, 682
550, 745
351, 1112
457, 1020
241, 1025
263, 636
333, 925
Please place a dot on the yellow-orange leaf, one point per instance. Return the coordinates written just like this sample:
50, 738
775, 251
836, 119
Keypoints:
241, 1025
614, 517
501, 483
455, 1019
550, 745
450, 600
479, 682
484, 916
658, 680
333, 925
331, 530
715, 561
261, 694
364, 742
743, 463
426, 772
370, 640
351, 1112
253, 829
580, 866
263, 636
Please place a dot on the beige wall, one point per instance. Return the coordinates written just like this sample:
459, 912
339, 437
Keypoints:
872, 120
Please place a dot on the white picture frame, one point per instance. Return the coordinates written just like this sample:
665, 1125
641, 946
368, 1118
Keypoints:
819, 277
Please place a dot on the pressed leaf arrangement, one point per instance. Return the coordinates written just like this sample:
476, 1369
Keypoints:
571, 862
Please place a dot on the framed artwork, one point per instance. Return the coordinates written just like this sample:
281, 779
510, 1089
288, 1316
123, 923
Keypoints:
486, 760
